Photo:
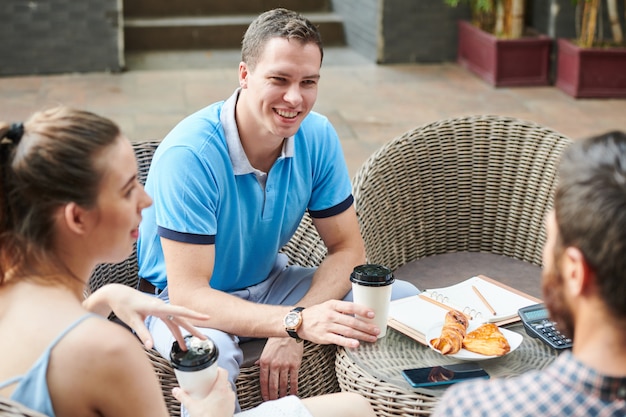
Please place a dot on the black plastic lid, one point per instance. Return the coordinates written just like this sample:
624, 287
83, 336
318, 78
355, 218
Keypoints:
372, 275
192, 359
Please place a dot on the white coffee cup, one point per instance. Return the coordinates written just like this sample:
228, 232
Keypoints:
195, 368
371, 287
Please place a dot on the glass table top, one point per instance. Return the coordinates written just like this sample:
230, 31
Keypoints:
386, 358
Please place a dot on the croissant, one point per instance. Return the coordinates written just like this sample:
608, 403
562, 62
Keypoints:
452, 333
487, 340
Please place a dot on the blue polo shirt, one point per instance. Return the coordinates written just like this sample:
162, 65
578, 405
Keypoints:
206, 192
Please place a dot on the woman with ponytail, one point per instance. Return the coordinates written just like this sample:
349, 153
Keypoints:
70, 199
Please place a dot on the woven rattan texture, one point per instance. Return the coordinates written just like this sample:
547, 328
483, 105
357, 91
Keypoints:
167, 379
317, 373
305, 248
388, 400
10, 408
477, 184
316, 376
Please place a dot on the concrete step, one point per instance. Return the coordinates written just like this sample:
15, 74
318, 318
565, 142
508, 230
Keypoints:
224, 59
210, 32
168, 8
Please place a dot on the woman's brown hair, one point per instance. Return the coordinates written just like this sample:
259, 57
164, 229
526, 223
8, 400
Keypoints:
46, 162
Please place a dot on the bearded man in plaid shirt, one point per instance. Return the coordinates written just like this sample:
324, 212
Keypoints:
584, 288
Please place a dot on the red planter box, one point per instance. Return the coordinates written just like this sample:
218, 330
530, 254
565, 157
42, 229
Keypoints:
504, 62
591, 72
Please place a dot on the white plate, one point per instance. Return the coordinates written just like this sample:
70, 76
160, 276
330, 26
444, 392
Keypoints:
515, 339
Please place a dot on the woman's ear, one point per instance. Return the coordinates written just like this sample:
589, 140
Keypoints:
75, 218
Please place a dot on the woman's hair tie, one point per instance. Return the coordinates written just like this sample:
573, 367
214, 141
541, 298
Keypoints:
15, 132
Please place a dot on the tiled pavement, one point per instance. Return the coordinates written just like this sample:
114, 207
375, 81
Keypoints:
369, 104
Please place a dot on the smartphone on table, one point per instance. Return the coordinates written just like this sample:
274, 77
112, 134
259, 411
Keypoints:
443, 375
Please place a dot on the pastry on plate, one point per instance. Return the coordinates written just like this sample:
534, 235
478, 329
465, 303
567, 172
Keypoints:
487, 340
450, 341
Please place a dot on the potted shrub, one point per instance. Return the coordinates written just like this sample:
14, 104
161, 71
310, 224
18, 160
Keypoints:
496, 46
591, 66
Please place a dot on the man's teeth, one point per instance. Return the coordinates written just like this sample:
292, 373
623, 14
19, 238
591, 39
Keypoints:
287, 114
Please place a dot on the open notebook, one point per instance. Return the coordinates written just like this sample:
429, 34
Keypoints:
415, 315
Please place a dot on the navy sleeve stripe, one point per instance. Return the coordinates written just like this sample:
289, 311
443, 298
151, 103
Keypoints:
186, 237
339, 208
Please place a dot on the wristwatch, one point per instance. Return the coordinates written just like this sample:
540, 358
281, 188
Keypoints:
293, 321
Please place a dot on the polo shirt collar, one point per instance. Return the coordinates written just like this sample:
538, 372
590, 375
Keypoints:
238, 158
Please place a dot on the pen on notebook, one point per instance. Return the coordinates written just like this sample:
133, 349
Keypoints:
484, 300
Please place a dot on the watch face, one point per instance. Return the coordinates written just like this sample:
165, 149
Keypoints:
292, 320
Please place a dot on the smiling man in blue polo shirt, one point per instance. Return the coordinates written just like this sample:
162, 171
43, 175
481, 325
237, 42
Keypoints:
230, 185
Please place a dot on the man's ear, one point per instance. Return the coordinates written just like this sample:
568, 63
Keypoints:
75, 218
577, 273
243, 74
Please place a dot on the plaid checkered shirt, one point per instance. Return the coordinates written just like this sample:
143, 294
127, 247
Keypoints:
565, 388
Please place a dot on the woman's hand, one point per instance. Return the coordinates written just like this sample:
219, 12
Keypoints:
132, 307
219, 403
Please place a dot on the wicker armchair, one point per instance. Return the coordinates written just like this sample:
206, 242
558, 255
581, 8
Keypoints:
317, 372
475, 184
10, 408
469, 184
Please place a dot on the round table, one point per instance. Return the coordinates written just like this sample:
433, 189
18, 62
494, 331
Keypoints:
374, 370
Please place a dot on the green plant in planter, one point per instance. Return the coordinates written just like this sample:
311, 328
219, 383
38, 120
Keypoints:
502, 18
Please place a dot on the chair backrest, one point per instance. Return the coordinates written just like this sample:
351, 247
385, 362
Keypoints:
476, 184
10, 408
305, 248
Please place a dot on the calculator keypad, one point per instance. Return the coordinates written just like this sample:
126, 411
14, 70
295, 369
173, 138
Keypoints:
547, 331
